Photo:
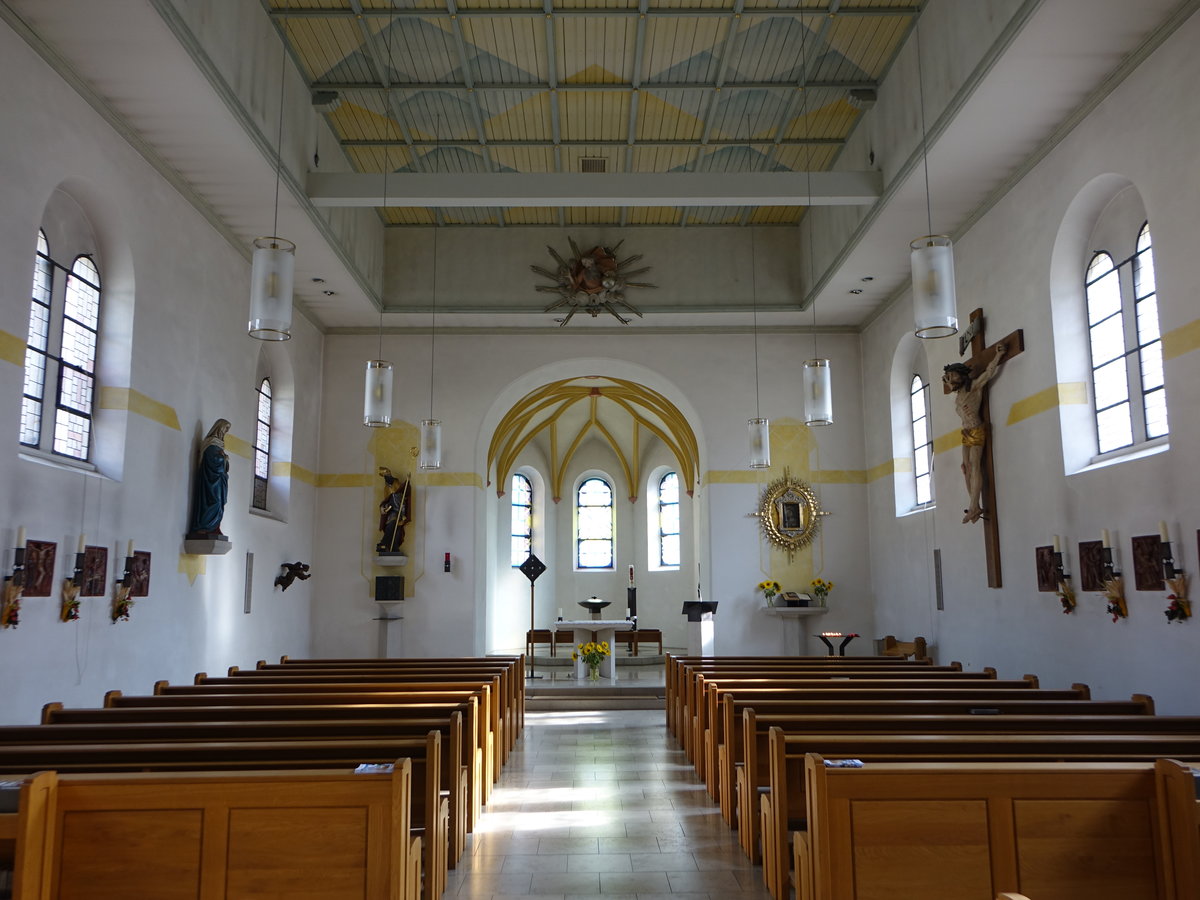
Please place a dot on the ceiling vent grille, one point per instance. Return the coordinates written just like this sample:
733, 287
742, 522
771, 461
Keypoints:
593, 164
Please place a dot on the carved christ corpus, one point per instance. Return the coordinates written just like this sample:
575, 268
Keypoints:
982, 356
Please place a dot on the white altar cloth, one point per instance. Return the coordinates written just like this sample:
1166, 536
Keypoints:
604, 630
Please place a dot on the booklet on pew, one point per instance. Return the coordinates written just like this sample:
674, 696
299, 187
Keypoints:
375, 769
843, 763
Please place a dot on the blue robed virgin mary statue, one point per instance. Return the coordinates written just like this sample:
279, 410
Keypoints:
211, 487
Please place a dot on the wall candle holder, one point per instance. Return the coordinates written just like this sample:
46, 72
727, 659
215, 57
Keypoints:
1066, 593
122, 588
1114, 585
14, 583
1180, 608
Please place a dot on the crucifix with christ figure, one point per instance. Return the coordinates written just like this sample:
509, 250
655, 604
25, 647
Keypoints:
968, 382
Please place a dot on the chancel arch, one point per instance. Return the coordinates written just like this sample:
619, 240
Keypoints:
561, 432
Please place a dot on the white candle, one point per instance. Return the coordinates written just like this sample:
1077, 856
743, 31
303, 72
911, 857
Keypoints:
627, 612
1105, 538
560, 612
21, 538
129, 549
631, 576
1057, 544
1163, 534
82, 540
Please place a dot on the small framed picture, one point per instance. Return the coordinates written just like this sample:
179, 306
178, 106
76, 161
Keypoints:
139, 574
1091, 565
95, 571
1047, 571
39, 568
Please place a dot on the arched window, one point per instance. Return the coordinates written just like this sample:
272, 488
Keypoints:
594, 525
521, 492
67, 320
1145, 304
37, 346
262, 446
668, 522
922, 441
1128, 390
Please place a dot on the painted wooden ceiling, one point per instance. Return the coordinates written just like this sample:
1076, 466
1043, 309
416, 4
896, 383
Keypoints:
565, 86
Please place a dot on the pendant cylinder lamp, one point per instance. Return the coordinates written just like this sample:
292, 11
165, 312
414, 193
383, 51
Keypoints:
271, 276
818, 392
431, 444
377, 394
760, 443
935, 307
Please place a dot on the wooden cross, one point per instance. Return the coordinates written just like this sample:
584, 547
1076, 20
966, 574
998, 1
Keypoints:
981, 356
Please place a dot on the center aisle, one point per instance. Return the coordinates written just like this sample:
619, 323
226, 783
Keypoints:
602, 804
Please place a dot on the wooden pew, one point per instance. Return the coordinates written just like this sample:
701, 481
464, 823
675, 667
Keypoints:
786, 794
1071, 831
210, 834
845, 678
638, 636
691, 680
753, 775
712, 737
917, 648
676, 666
736, 724
512, 675
490, 720
546, 636
507, 700
94, 726
1181, 793
429, 811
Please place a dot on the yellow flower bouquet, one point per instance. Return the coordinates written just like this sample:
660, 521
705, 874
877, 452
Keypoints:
769, 589
592, 654
821, 589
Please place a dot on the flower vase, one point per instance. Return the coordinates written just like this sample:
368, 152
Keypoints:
593, 671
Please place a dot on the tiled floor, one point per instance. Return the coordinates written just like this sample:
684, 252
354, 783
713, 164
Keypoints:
604, 805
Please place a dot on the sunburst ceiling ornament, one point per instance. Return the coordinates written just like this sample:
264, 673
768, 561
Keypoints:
594, 282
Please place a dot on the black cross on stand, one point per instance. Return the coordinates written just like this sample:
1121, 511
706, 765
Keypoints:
981, 356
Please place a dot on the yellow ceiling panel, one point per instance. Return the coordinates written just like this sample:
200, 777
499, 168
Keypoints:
657, 120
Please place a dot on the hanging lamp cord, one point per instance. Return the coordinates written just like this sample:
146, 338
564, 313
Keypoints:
924, 133
279, 136
812, 265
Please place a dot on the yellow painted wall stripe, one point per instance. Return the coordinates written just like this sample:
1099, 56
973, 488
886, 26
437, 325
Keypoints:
136, 402
948, 441
840, 476
12, 348
1064, 394
734, 476
427, 479
448, 479
1182, 340
292, 470
236, 445
351, 480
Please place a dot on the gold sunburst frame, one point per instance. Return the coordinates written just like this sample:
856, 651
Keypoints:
789, 513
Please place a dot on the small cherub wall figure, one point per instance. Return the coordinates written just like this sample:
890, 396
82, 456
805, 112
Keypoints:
292, 571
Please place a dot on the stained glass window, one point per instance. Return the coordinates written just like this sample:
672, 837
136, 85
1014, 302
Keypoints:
594, 525
521, 492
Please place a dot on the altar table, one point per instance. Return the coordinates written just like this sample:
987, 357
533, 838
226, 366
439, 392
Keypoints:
597, 630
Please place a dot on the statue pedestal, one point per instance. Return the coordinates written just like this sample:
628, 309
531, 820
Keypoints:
207, 546
391, 559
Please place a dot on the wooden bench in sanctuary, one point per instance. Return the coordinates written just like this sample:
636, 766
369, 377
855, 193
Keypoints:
536, 636
958, 831
429, 810
785, 801
94, 726
322, 835
491, 731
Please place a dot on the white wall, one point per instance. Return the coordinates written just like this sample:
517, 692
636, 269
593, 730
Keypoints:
176, 293
709, 377
1006, 264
